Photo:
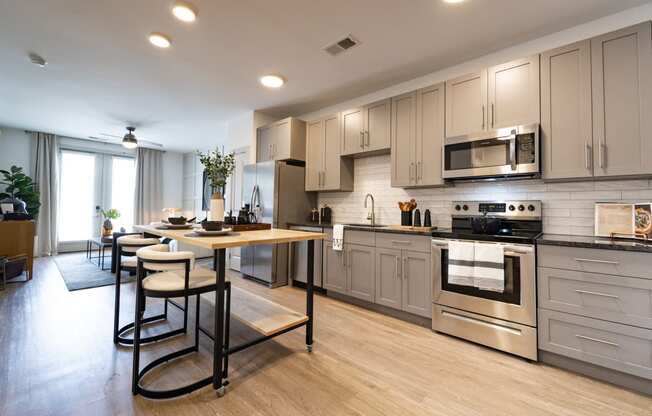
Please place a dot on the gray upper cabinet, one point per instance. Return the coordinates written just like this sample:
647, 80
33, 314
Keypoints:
404, 139
388, 277
366, 129
417, 137
566, 129
417, 283
622, 101
352, 131
325, 169
430, 135
513, 93
466, 104
334, 271
377, 122
281, 140
360, 264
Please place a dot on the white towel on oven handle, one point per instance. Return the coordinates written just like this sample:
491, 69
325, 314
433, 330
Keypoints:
489, 267
461, 256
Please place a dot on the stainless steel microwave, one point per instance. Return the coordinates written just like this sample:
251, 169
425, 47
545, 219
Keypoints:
501, 153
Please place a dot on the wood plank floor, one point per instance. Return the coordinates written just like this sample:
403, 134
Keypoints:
57, 358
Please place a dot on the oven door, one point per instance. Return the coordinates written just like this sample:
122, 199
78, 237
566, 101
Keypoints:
517, 303
503, 152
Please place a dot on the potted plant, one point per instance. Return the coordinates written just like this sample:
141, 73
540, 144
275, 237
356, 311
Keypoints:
107, 225
219, 167
20, 191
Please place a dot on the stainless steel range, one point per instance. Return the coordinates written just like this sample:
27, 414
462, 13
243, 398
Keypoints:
503, 318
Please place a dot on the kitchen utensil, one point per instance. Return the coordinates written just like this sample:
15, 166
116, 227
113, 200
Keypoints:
314, 215
417, 218
406, 218
427, 221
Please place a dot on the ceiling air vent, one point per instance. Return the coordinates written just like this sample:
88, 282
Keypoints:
341, 45
37, 59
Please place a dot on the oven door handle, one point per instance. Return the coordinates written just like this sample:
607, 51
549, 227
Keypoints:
516, 253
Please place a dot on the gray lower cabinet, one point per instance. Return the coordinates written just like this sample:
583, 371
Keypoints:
335, 271
388, 277
417, 283
594, 306
360, 265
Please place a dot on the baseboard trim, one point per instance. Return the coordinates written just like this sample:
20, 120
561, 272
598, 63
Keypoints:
607, 375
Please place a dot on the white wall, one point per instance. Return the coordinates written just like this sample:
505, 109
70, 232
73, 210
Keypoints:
15, 149
172, 180
597, 27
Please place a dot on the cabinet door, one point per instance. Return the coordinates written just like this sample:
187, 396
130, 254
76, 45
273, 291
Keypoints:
417, 283
377, 122
388, 277
361, 277
466, 104
566, 112
331, 152
514, 93
264, 143
430, 135
622, 108
314, 155
282, 140
352, 132
334, 268
403, 139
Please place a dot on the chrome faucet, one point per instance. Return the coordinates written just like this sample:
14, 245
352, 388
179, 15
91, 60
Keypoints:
372, 215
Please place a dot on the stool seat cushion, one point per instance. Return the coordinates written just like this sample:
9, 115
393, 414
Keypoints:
161, 252
131, 243
171, 281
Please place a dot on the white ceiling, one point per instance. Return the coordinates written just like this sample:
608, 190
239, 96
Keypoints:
103, 74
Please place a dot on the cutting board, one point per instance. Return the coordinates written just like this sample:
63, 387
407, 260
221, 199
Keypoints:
408, 228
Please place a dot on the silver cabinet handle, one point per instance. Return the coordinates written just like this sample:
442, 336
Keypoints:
396, 261
613, 344
615, 263
492, 114
411, 166
401, 242
603, 151
604, 295
482, 116
587, 155
368, 139
419, 171
362, 139
512, 150
344, 258
404, 270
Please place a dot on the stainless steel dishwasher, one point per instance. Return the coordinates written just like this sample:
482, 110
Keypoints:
299, 255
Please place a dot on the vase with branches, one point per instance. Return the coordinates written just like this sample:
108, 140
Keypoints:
218, 166
107, 225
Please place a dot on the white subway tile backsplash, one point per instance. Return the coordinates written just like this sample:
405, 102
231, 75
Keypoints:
567, 207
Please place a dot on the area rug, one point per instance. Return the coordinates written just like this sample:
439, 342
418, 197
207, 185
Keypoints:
79, 273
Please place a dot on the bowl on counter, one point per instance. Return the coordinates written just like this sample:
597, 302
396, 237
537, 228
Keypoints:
177, 220
212, 225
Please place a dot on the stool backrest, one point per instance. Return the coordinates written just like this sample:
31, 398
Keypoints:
158, 258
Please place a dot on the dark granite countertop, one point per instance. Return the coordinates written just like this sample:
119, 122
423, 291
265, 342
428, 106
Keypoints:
595, 242
362, 227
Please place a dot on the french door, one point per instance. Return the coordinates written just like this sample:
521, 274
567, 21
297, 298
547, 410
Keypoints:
89, 184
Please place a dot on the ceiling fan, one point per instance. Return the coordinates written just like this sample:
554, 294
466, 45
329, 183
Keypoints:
129, 140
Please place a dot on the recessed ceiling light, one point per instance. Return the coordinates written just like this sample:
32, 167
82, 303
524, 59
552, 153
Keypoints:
453, 1
184, 12
159, 40
272, 81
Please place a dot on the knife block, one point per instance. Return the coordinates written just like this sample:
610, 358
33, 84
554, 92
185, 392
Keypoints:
406, 218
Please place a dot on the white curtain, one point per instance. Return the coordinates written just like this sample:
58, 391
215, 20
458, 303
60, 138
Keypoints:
46, 176
148, 201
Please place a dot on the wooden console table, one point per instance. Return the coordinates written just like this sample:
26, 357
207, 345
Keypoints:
17, 238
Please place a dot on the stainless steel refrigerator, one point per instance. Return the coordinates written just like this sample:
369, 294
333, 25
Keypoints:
279, 188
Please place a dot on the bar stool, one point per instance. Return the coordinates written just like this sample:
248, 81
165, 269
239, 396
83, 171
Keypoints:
127, 261
174, 276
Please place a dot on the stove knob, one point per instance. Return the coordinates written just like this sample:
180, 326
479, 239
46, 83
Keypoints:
521, 208
457, 207
530, 207
512, 207
465, 207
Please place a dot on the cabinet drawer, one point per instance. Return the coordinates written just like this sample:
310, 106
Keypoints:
616, 346
625, 300
365, 238
615, 262
403, 241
